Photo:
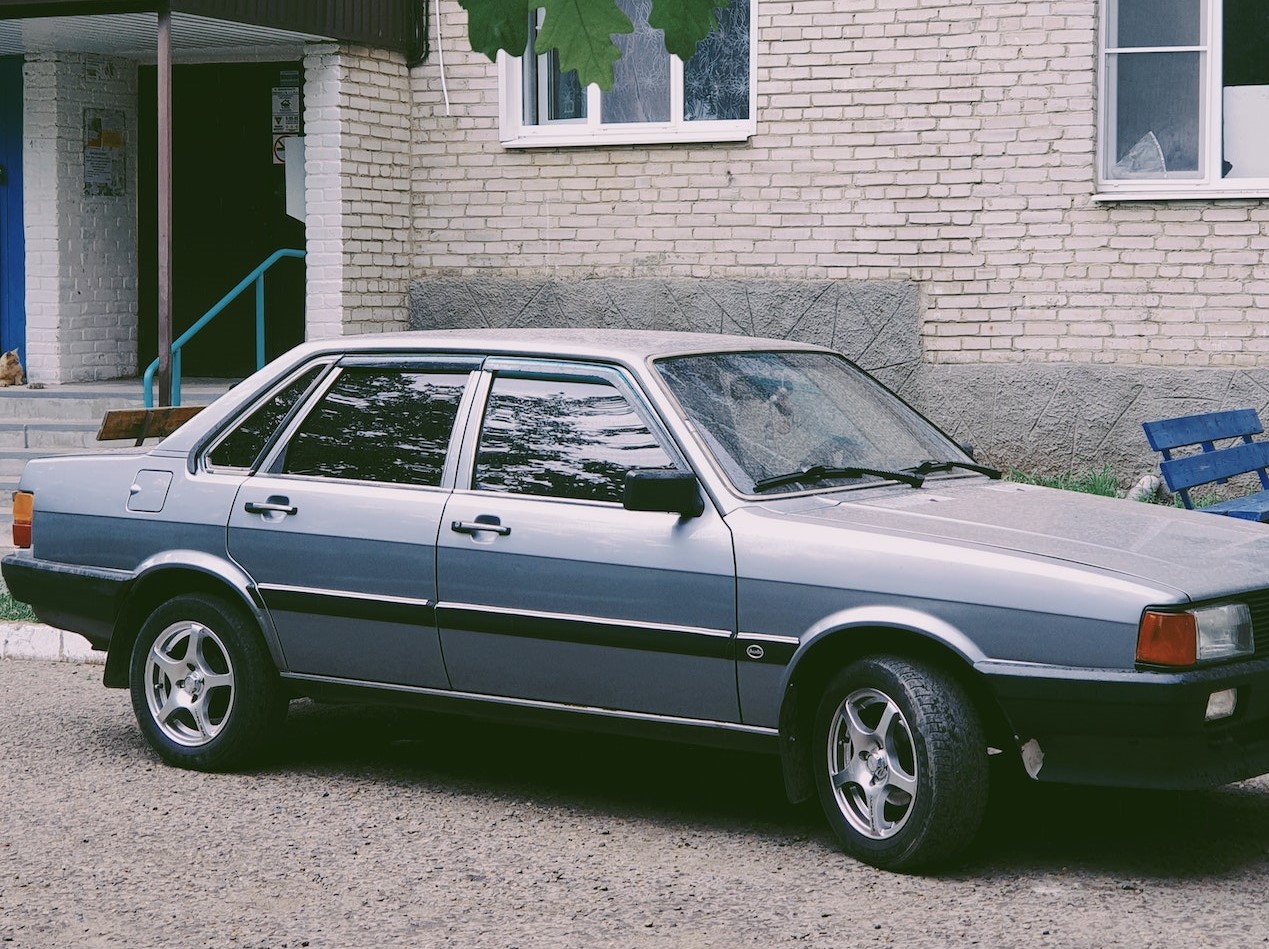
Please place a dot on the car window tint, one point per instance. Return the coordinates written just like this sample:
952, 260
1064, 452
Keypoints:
383, 425
241, 447
563, 439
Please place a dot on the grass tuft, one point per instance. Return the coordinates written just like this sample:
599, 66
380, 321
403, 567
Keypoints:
1101, 482
11, 611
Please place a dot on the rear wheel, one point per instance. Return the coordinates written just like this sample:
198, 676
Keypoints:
900, 762
204, 689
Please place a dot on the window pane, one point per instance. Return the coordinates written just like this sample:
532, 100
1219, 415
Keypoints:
562, 439
379, 425
549, 95
716, 79
1156, 23
564, 96
641, 77
243, 445
1157, 106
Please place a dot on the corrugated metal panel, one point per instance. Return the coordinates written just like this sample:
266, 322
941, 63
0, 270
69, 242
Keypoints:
385, 24
134, 35
381, 23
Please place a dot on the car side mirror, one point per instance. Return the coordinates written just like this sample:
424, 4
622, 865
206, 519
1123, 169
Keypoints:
968, 449
668, 491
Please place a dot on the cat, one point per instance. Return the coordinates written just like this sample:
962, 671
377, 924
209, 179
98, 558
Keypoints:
10, 369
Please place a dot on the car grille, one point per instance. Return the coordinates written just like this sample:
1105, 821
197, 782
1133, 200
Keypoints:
1258, 603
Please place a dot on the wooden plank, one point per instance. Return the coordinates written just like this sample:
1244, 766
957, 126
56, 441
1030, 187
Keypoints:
1170, 433
1215, 465
1254, 507
140, 424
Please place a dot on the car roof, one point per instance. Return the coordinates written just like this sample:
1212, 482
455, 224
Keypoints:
626, 345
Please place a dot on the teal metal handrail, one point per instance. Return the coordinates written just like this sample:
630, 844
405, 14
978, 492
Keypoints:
257, 277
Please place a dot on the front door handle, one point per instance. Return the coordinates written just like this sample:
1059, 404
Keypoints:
274, 505
483, 522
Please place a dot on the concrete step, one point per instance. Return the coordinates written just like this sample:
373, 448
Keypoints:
88, 402
44, 434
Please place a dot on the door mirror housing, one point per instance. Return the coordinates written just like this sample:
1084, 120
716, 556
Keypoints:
665, 490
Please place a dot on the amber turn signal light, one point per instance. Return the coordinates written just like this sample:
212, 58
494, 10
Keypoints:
1167, 639
23, 510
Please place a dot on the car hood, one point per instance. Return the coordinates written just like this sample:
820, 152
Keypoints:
1199, 555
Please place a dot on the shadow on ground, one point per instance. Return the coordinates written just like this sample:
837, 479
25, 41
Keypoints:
1030, 828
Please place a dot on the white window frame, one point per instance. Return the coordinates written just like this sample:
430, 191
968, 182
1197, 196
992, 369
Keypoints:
514, 133
1188, 185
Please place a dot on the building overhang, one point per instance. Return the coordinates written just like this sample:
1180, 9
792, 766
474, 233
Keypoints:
205, 30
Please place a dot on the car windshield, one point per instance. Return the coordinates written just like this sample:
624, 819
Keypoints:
791, 421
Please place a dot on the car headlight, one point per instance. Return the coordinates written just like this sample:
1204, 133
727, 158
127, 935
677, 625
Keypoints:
1198, 635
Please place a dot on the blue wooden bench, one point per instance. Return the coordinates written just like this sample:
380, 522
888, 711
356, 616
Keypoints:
1215, 463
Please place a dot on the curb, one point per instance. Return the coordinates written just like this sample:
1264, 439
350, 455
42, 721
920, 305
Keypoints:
37, 641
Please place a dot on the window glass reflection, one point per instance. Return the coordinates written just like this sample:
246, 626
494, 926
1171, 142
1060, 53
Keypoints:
562, 439
716, 79
768, 414
243, 445
379, 425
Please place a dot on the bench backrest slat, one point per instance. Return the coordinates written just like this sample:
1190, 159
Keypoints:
1195, 429
1193, 470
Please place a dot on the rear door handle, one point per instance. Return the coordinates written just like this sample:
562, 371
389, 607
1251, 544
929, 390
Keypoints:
275, 505
484, 522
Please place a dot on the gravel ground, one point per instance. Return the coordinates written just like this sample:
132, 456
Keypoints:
379, 828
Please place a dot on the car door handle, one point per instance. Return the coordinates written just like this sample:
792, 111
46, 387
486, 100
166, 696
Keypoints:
485, 522
274, 505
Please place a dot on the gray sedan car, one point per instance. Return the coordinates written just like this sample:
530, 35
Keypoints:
715, 539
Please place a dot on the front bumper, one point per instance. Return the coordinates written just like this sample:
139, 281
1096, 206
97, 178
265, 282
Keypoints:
84, 600
1135, 728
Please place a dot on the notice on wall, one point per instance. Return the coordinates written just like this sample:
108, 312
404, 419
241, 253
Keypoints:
286, 118
104, 151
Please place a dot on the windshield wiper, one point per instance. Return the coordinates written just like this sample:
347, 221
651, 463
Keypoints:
928, 467
825, 472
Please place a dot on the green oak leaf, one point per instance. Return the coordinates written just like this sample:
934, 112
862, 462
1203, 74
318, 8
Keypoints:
498, 24
684, 22
581, 31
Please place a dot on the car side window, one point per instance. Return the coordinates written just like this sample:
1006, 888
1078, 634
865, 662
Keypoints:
562, 438
242, 446
378, 424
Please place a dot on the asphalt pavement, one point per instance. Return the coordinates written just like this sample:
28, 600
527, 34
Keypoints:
371, 827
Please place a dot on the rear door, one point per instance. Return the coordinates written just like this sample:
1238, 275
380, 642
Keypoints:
549, 589
339, 526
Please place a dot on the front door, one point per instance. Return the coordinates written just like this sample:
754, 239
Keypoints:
12, 253
549, 589
228, 215
338, 528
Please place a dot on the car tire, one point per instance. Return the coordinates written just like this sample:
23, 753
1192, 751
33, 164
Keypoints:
900, 763
204, 688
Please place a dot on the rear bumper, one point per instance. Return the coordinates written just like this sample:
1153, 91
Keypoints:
84, 600
1135, 729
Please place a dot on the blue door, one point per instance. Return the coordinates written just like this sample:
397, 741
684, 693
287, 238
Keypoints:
12, 252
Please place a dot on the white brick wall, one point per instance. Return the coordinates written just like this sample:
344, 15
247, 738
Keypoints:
81, 258
951, 144
357, 190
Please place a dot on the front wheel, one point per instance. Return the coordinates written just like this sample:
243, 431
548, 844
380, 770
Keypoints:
204, 689
900, 762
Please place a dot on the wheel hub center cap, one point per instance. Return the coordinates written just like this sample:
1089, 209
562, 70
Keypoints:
877, 766
194, 684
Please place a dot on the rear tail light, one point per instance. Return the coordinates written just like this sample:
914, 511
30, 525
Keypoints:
23, 510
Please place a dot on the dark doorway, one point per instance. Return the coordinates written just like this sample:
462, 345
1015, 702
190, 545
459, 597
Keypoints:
12, 237
228, 215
